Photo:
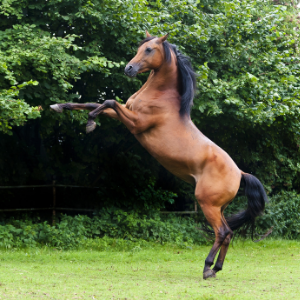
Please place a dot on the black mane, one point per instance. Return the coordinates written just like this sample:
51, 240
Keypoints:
186, 72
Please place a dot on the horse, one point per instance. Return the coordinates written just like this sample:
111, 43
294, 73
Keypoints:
158, 115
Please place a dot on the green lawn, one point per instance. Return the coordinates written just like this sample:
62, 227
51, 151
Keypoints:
266, 270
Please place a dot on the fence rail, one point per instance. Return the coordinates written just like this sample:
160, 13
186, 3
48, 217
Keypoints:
46, 185
54, 208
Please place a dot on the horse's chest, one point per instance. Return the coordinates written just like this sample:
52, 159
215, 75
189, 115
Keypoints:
141, 106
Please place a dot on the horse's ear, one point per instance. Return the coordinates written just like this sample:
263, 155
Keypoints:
163, 38
148, 34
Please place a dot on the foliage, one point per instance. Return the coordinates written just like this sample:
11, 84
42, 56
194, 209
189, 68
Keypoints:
252, 86
245, 52
283, 212
14, 112
74, 232
25, 47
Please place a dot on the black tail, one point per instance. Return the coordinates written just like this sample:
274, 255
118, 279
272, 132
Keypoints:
257, 198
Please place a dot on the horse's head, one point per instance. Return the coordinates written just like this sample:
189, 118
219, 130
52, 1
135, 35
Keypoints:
150, 55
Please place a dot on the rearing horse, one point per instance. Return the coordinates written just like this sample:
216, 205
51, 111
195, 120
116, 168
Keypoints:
158, 115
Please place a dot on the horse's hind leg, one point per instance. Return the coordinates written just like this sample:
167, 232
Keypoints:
214, 217
221, 257
74, 106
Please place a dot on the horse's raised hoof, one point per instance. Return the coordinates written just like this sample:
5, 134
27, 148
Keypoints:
90, 127
209, 274
56, 108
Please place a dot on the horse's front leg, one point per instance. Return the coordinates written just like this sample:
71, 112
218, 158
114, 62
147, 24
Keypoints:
59, 107
113, 109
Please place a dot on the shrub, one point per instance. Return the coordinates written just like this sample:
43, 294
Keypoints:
112, 227
283, 212
73, 232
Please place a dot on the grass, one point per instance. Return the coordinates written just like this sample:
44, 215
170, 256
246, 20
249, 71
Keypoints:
266, 270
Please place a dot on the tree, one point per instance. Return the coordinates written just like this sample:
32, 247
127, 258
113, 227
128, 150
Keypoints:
246, 55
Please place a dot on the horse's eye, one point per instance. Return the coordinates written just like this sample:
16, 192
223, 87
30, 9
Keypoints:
148, 50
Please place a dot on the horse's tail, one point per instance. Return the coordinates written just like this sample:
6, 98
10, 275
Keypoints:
257, 198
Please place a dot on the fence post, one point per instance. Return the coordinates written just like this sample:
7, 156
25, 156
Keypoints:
54, 203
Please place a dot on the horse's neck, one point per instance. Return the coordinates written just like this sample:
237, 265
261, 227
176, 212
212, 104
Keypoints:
165, 78
162, 85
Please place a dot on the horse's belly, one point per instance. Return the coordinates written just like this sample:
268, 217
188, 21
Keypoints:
173, 154
180, 172
189, 155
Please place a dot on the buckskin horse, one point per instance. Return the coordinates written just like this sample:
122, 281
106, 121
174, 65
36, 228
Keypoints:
158, 115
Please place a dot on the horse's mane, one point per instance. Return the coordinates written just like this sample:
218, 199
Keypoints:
187, 75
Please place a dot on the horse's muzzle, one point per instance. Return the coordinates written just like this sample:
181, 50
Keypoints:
131, 70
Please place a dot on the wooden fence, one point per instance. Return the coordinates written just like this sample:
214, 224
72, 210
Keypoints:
55, 208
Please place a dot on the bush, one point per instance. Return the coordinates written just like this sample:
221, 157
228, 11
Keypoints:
112, 227
75, 232
245, 52
283, 212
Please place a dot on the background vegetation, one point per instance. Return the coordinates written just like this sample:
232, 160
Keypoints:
247, 57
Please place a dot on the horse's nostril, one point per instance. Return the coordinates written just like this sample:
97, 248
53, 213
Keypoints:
130, 70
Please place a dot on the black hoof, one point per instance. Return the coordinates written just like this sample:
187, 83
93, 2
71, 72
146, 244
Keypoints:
56, 108
209, 274
90, 127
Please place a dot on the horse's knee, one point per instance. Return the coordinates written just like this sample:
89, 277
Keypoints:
109, 103
91, 115
224, 234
